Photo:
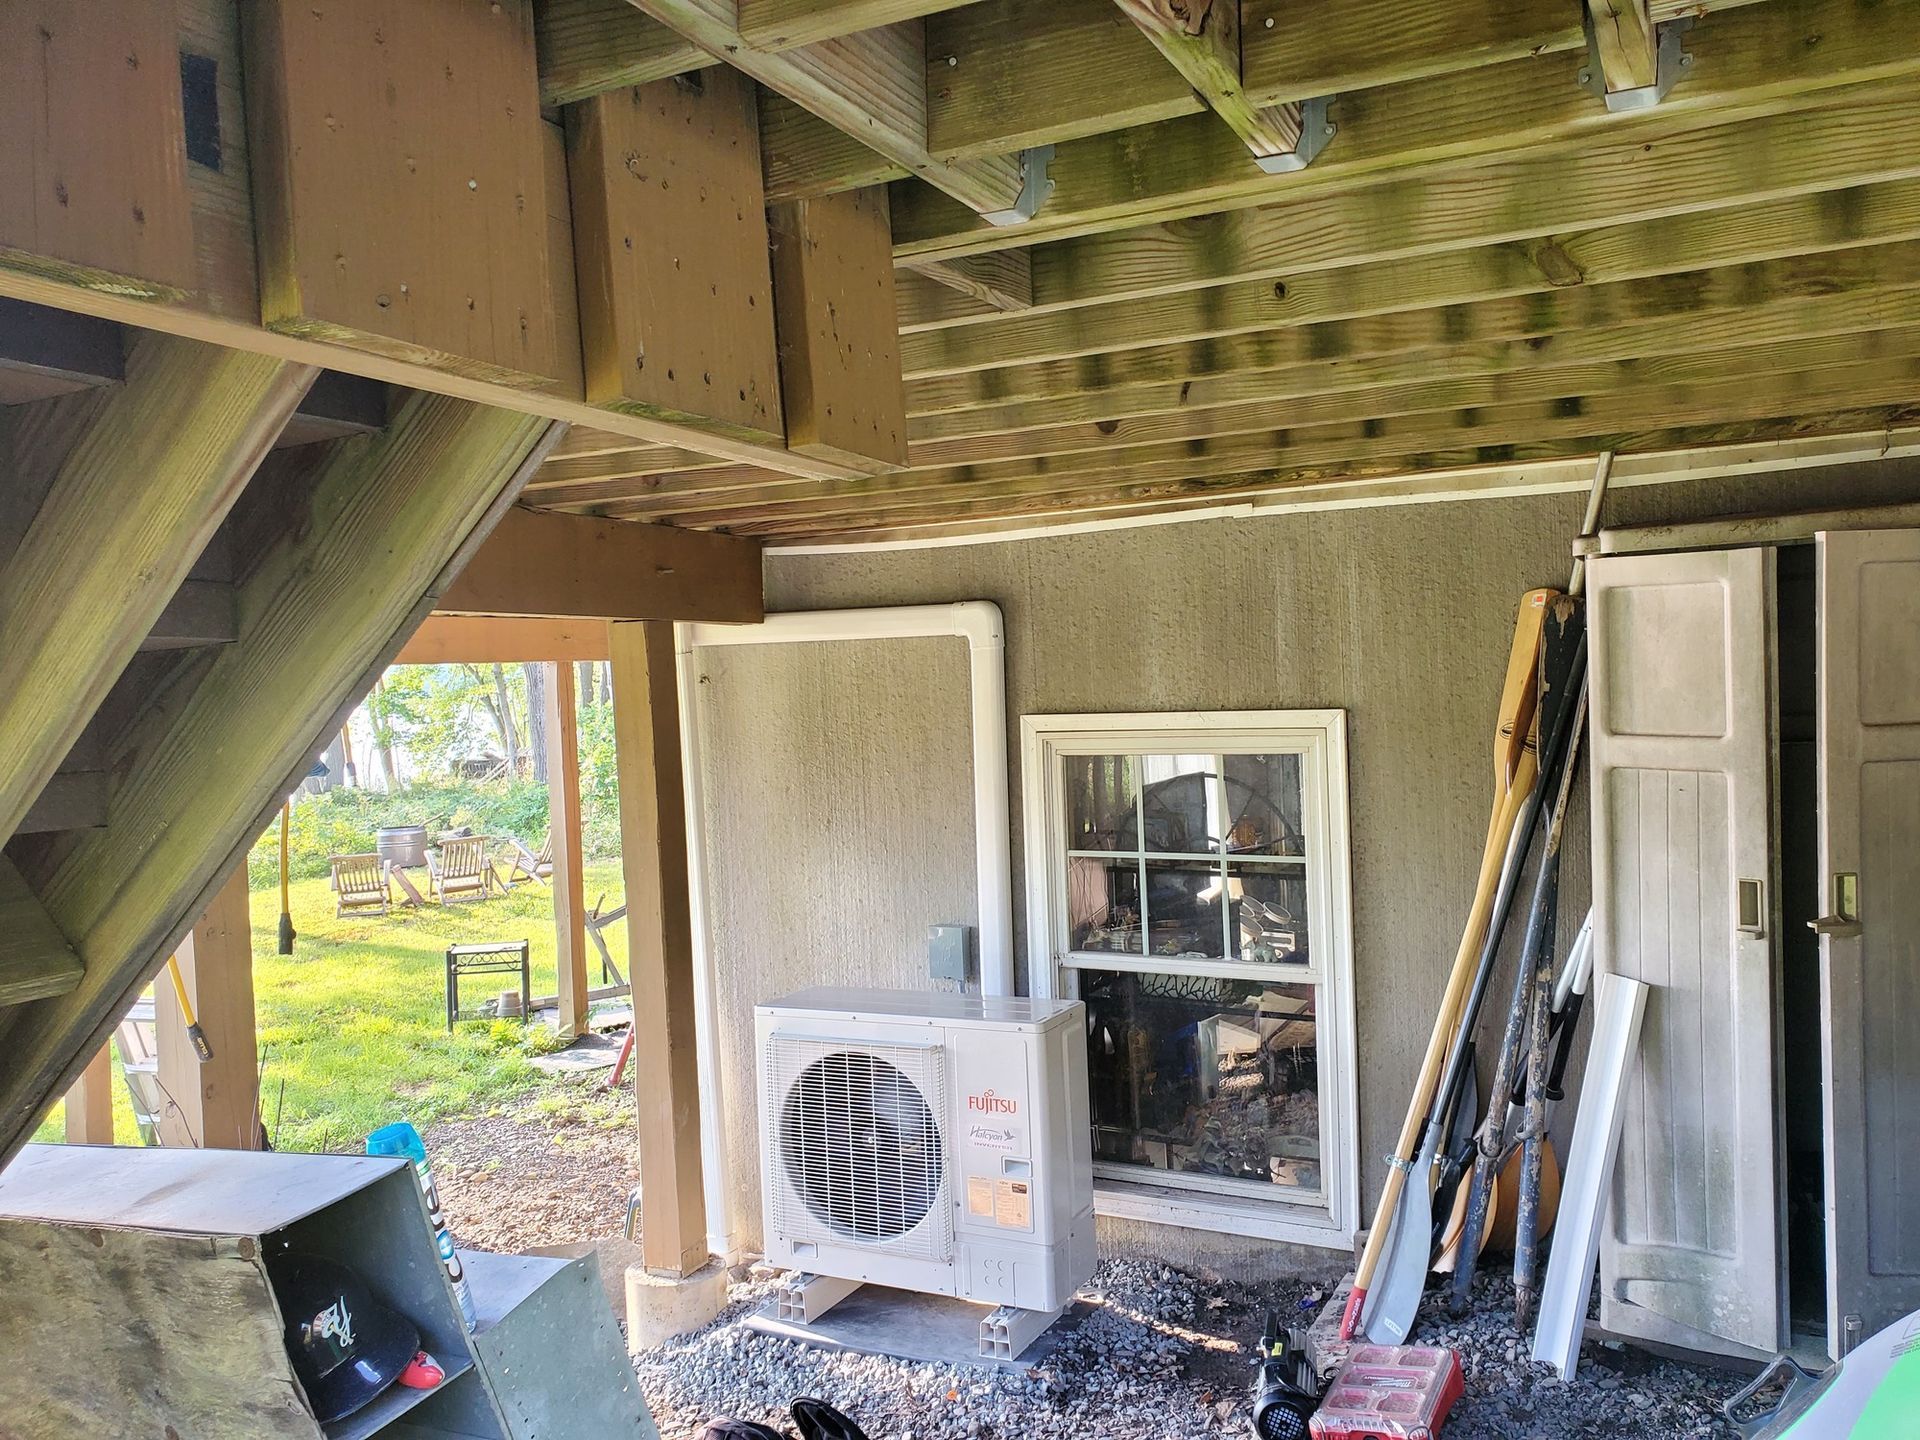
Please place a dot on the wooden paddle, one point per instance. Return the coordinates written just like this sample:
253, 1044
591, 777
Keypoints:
1514, 771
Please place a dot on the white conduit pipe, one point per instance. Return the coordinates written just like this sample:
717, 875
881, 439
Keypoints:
978, 622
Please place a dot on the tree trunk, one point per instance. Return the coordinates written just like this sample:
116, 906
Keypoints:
503, 716
537, 719
383, 738
583, 682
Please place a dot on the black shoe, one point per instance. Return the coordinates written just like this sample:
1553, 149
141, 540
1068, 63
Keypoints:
736, 1430
820, 1421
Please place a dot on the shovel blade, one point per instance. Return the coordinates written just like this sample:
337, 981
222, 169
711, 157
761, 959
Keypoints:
1394, 1301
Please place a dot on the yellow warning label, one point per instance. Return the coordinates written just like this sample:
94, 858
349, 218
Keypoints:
979, 1196
1013, 1205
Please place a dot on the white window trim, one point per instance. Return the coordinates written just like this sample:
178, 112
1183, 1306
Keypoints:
1321, 735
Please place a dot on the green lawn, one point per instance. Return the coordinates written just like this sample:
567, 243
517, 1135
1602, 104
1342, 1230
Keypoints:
353, 1023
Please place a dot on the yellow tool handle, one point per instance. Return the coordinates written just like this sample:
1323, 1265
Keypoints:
195, 1034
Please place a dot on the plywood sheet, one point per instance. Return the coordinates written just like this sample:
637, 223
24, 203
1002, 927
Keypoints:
400, 182
670, 236
93, 183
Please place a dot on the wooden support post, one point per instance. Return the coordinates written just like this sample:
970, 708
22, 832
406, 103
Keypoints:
212, 1104
569, 879
1201, 39
653, 851
1625, 43
90, 1102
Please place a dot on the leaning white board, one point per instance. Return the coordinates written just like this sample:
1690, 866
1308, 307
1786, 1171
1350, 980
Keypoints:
1619, 1004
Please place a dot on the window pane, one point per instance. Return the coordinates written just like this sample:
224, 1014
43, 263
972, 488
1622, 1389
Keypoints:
1204, 1076
1103, 904
1263, 805
1101, 794
1184, 911
1267, 912
1180, 801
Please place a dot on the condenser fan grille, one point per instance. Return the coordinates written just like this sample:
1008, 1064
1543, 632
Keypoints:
860, 1144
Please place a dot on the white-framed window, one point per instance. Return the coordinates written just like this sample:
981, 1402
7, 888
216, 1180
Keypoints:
1188, 878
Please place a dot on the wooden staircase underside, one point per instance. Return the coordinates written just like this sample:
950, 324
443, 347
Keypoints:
205, 558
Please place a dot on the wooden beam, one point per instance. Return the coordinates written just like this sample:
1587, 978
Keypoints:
783, 24
574, 567
70, 800
49, 352
89, 1118
801, 155
670, 245
1625, 43
653, 857
362, 553
588, 47
507, 640
563, 838
1002, 280
201, 612
871, 85
1750, 63
36, 960
839, 337
212, 1104
1201, 40
131, 507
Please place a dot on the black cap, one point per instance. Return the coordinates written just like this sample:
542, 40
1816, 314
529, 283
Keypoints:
346, 1347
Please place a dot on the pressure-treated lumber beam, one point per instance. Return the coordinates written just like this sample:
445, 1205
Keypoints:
36, 960
871, 85
563, 841
1660, 314
574, 567
653, 857
1752, 62
212, 1104
1823, 223
801, 155
1624, 42
783, 24
1201, 40
361, 555
588, 47
1002, 280
502, 639
839, 340
89, 1118
130, 508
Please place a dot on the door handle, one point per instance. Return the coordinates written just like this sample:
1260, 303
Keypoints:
1844, 921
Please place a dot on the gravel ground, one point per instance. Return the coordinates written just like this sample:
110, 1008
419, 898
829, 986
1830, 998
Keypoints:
555, 1167
1161, 1356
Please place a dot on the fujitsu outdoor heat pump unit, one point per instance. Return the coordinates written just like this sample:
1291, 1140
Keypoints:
931, 1142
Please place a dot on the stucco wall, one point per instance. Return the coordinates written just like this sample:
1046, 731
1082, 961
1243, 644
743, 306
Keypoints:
837, 774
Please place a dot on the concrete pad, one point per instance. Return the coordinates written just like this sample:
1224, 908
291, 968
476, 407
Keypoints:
660, 1307
582, 1057
932, 1329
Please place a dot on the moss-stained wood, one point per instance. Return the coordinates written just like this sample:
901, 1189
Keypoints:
1804, 225
1336, 446
227, 277
1737, 446
1625, 42
802, 155
571, 567
926, 301
93, 182
783, 24
839, 344
399, 181
1201, 40
1001, 281
872, 85
1752, 62
358, 561
35, 959
129, 509
1873, 138
588, 47
670, 250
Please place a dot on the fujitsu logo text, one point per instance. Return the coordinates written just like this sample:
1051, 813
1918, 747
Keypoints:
988, 1103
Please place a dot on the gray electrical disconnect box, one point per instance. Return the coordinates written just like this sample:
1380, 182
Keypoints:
950, 953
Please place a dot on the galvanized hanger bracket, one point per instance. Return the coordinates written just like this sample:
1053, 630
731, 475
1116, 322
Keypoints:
1315, 131
1670, 63
1035, 186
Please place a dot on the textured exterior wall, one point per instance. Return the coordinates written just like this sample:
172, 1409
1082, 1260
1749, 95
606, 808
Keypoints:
839, 805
